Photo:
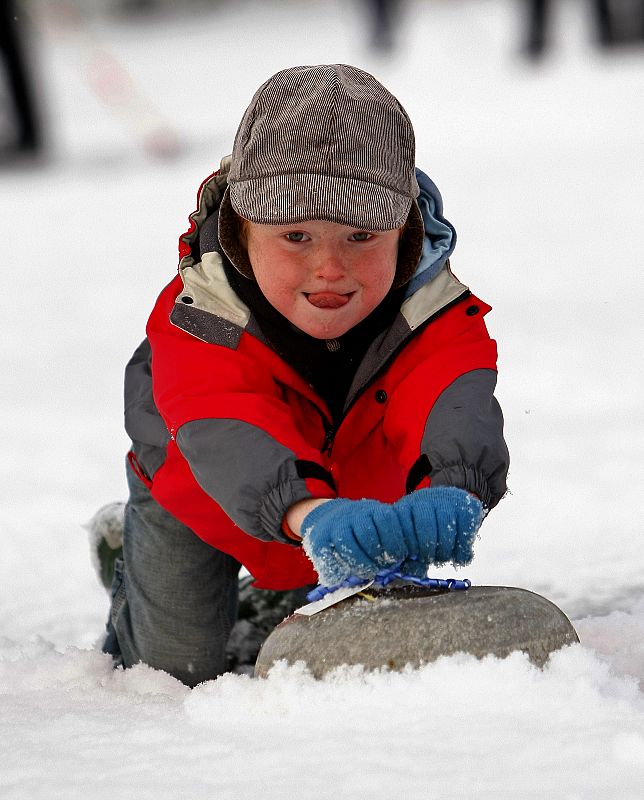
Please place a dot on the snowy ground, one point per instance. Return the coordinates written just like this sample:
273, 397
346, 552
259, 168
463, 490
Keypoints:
541, 172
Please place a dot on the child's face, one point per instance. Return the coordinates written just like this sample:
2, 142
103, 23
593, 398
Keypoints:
323, 277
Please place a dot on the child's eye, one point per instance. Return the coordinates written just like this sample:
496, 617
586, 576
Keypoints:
296, 236
360, 236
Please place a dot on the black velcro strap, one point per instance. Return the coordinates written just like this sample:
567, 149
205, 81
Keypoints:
420, 469
309, 469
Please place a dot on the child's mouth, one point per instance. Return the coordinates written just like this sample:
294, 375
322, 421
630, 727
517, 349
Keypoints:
328, 299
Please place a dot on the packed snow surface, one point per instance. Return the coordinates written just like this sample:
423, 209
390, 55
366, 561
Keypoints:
540, 167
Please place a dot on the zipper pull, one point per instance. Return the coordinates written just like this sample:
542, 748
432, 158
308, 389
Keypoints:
329, 435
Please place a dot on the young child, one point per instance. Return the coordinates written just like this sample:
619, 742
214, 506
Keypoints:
314, 398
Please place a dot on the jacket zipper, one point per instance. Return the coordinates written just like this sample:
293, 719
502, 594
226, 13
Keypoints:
329, 436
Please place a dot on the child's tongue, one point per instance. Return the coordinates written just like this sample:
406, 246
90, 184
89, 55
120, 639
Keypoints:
328, 299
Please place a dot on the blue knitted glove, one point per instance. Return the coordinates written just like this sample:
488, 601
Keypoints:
439, 525
352, 537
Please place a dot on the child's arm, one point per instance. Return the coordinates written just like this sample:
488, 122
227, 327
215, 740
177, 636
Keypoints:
294, 517
226, 416
462, 442
443, 418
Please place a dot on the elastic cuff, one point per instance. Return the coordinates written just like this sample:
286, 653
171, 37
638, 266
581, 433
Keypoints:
286, 530
467, 478
276, 502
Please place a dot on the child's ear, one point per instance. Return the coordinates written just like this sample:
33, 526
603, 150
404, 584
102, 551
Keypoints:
242, 231
410, 246
233, 237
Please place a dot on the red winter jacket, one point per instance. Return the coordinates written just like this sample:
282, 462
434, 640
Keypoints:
228, 435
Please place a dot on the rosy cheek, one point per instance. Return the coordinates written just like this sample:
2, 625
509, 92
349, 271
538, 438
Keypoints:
286, 290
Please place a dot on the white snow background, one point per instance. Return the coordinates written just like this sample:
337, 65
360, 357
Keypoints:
541, 172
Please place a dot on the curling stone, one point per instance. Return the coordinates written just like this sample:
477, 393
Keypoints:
395, 626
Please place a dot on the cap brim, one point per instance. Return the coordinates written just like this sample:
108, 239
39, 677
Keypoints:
289, 199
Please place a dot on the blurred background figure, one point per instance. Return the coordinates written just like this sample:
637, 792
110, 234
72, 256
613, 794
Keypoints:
537, 14
616, 22
384, 16
18, 113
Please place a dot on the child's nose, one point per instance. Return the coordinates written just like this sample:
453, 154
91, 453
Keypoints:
330, 266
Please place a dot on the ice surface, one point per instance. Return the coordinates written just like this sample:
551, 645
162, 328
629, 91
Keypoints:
541, 173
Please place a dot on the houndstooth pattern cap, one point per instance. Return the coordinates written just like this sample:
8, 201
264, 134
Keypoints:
325, 142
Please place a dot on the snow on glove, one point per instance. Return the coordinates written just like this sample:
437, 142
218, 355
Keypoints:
352, 537
439, 525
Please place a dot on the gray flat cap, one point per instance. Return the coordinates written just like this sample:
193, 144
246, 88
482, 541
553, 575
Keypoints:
326, 142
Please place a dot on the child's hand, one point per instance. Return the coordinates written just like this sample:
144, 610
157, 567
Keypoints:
438, 525
352, 537
361, 537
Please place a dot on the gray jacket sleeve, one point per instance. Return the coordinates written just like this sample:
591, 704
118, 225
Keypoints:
253, 478
463, 442
143, 423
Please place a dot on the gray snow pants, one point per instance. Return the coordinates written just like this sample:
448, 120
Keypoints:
178, 603
174, 597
